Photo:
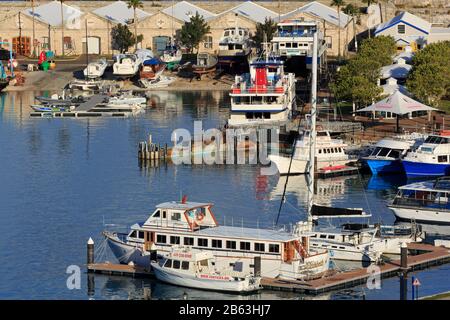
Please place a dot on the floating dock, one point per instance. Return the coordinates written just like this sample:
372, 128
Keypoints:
77, 114
421, 256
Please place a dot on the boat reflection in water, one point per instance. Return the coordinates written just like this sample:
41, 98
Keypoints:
386, 182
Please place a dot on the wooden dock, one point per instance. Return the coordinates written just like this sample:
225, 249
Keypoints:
338, 172
78, 114
421, 256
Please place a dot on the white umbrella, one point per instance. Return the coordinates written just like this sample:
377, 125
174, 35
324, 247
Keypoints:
397, 103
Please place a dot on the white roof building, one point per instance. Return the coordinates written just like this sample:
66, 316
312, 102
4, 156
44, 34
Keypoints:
253, 11
118, 12
322, 12
399, 70
391, 86
50, 14
184, 11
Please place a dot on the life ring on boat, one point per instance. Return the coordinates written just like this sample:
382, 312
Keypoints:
200, 216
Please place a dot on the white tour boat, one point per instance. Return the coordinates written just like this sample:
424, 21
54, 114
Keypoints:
330, 153
282, 253
266, 95
95, 69
426, 202
126, 65
190, 268
234, 46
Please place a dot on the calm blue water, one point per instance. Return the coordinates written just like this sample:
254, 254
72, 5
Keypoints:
62, 179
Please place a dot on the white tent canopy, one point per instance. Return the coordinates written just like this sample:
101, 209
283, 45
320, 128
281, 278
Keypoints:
397, 103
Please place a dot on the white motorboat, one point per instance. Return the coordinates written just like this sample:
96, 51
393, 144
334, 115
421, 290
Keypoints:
234, 46
127, 98
190, 268
172, 57
116, 107
86, 85
95, 69
282, 253
160, 82
126, 65
330, 154
424, 202
266, 95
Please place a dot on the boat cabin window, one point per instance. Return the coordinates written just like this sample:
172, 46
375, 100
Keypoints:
176, 264
426, 149
174, 240
259, 247
395, 153
288, 44
375, 151
157, 214
231, 244
442, 158
436, 140
245, 246
203, 263
133, 234
141, 234
331, 236
216, 243
384, 152
168, 263
164, 214
323, 236
201, 242
176, 216
185, 265
188, 241
274, 247
320, 151
161, 238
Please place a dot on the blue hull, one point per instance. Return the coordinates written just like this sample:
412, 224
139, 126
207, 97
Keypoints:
384, 166
419, 169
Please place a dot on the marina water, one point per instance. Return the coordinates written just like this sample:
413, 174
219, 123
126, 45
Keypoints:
65, 180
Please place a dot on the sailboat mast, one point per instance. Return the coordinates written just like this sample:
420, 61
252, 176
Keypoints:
312, 132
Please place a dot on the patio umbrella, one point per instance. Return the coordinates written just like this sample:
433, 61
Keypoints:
399, 104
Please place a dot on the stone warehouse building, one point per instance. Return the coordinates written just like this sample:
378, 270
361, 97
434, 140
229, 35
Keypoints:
91, 22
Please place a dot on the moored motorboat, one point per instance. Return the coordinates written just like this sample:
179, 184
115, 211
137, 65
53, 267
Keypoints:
86, 85
330, 153
51, 108
160, 82
95, 69
126, 65
186, 267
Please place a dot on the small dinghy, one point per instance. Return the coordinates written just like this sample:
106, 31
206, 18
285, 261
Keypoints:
160, 82
95, 69
191, 268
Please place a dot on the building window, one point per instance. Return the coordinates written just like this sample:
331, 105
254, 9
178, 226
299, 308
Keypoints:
45, 43
401, 29
245, 246
188, 241
259, 247
231, 245
174, 240
216, 243
329, 42
201, 242
67, 43
274, 248
208, 43
161, 238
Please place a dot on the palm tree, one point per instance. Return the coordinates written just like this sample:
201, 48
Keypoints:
338, 4
135, 4
62, 26
352, 11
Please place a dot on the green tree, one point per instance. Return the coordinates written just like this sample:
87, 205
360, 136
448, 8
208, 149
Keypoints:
380, 49
429, 79
193, 32
122, 38
339, 4
135, 4
264, 31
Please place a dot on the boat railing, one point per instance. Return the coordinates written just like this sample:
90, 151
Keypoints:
237, 89
294, 34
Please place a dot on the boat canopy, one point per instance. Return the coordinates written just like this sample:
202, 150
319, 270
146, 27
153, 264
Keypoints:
152, 62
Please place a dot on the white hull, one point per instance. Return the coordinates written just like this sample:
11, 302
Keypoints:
348, 252
300, 166
161, 82
422, 215
95, 69
270, 267
191, 281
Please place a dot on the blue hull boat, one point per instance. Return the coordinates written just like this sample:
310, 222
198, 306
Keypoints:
380, 166
420, 169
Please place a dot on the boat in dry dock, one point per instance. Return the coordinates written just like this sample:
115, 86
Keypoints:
283, 253
187, 267
95, 69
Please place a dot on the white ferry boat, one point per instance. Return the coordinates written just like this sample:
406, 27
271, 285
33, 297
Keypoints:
294, 38
330, 153
197, 269
266, 95
427, 202
431, 159
283, 254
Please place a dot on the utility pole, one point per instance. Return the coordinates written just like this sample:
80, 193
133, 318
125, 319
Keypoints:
20, 35
49, 42
34, 30
87, 46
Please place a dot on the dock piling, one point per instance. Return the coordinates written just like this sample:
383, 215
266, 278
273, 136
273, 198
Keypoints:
90, 251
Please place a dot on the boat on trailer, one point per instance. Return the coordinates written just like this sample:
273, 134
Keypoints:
187, 267
283, 253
